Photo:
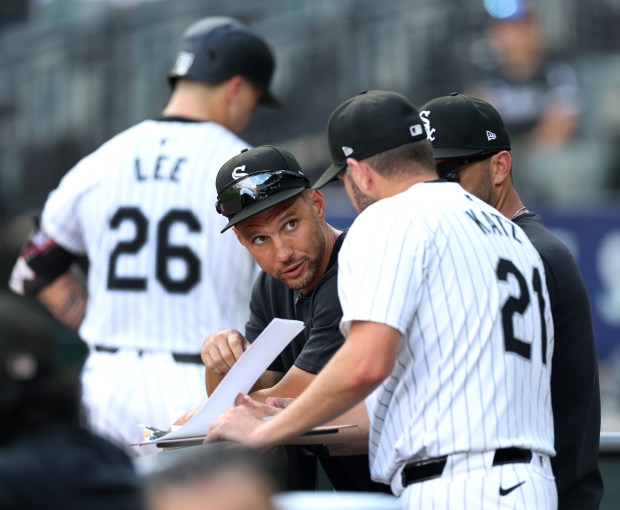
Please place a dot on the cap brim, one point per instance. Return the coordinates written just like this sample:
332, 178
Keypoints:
258, 207
268, 99
448, 153
328, 176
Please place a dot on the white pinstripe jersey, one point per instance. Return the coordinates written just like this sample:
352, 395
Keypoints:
467, 291
142, 208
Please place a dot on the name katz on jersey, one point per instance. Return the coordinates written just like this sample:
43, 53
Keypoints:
493, 224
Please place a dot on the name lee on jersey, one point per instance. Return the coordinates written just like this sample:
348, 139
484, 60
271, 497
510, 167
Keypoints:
165, 168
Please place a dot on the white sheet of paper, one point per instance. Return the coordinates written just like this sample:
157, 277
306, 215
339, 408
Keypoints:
249, 367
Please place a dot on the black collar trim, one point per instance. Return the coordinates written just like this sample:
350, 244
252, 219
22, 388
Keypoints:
173, 118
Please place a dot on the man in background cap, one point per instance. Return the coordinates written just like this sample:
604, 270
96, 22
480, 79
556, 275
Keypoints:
428, 294
472, 147
47, 458
140, 208
280, 221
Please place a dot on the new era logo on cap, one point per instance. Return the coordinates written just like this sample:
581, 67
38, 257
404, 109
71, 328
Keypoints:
347, 150
491, 135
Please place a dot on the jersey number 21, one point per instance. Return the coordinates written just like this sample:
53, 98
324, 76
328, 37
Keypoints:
518, 305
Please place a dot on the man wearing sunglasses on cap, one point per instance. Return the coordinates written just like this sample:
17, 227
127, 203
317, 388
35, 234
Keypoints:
277, 217
472, 147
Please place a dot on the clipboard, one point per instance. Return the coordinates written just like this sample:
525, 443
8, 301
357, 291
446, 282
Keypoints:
198, 440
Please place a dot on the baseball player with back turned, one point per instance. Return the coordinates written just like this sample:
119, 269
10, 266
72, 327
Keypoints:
141, 209
449, 336
472, 147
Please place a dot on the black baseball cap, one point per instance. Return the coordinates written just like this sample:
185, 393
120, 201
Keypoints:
255, 180
371, 122
458, 125
216, 48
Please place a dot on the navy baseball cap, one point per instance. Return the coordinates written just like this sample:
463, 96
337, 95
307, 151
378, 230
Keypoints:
371, 122
255, 180
458, 125
216, 48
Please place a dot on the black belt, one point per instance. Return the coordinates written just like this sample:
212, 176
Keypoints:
178, 356
433, 468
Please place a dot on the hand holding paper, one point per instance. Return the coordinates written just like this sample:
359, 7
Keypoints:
221, 350
254, 361
239, 421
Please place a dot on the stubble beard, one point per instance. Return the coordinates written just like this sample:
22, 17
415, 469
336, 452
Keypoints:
484, 188
313, 263
360, 200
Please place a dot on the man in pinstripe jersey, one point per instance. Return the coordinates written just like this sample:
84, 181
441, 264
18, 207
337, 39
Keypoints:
449, 336
141, 209
464, 132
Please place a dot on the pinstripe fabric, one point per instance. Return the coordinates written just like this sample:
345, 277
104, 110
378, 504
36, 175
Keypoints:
124, 389
142, 208
428, 263
78, 214
479, 488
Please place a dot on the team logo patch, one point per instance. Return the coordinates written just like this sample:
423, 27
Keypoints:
430, 132
239, 172
491, 135
184, 61
347, 150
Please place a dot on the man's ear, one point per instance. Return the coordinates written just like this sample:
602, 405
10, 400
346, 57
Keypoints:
362, 173
239, 237
232, 88
502, 166
318, 202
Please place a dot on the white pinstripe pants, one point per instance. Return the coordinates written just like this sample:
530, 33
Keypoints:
124, 388
484, 487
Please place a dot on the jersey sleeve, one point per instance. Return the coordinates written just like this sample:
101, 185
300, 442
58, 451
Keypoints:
382, 263
40, 262
324, 338
60, 217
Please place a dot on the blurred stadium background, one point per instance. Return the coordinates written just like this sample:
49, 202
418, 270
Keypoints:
75, 72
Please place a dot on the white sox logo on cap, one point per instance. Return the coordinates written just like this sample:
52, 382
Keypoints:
239, 172
430, 131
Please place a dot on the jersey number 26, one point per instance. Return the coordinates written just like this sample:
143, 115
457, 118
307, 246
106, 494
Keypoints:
165, 251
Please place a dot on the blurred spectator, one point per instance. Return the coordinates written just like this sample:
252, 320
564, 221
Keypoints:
214, 477
536, 94
47, 458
